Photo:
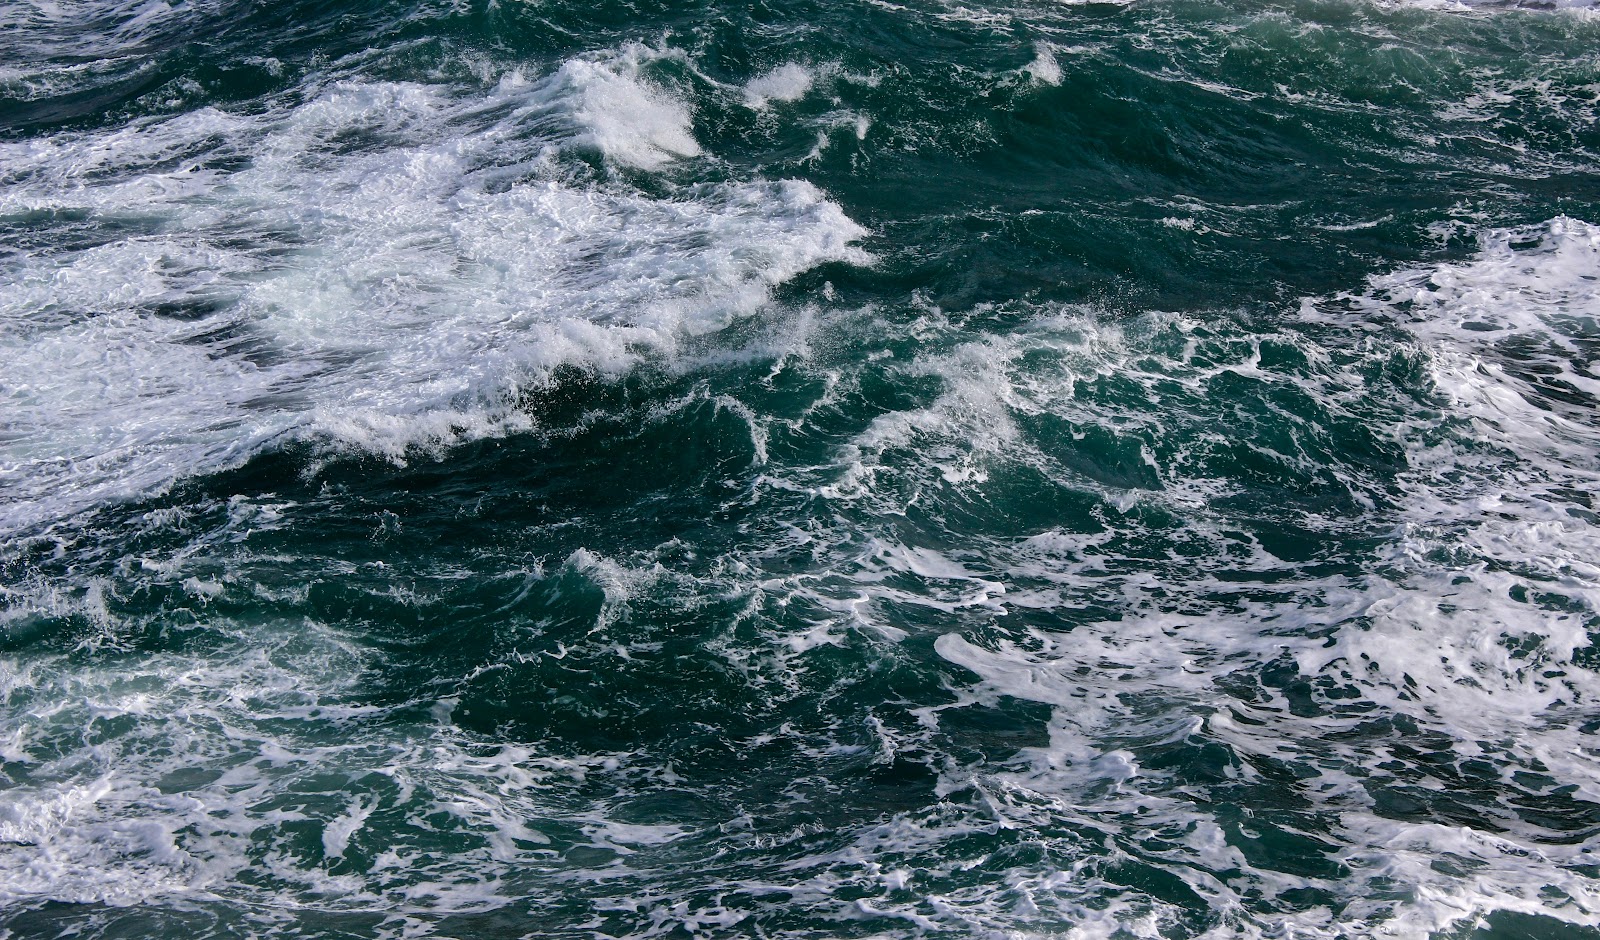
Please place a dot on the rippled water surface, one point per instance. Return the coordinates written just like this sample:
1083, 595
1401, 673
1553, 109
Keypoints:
799, 469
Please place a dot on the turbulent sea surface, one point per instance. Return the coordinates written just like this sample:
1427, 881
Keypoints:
799, 469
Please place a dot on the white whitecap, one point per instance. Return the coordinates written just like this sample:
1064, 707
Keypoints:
391, 294
629, 119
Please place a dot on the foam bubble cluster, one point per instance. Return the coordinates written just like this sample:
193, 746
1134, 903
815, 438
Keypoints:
384, 264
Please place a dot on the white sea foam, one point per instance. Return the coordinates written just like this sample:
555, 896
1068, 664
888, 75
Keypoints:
390, 265
50, 49
421, 254
787, 82
258, 721
631, 120
1489, 6
1469, 624
1044, 68
87, 29
1460, 635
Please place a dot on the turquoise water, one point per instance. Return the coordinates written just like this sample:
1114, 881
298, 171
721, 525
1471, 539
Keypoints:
799, 469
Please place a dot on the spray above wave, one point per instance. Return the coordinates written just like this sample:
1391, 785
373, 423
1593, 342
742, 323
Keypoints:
631, 120
388, 263
786, 83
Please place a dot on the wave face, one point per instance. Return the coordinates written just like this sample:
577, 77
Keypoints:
1098, 470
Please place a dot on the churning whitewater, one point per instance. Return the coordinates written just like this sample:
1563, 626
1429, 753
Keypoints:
799, 470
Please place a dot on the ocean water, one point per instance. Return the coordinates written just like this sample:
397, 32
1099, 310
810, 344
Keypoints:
799, 469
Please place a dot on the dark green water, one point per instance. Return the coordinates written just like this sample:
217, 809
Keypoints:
799, 470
